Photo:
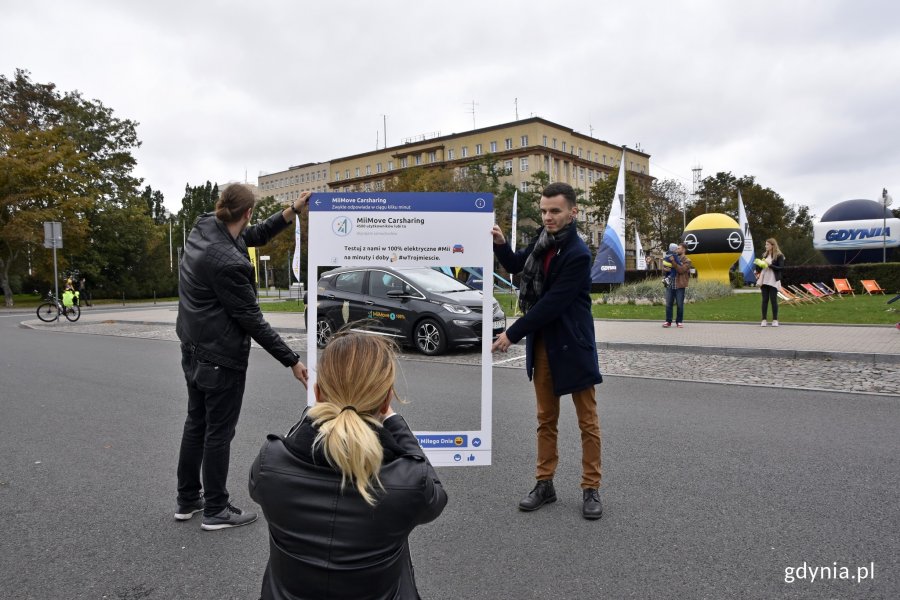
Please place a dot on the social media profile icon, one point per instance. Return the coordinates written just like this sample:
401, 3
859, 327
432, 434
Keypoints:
341, 226
457, 457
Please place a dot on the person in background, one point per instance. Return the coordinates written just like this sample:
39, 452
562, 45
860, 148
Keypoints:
681, 277
768, 276
347, 485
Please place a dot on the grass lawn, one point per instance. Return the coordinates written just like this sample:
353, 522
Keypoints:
746, 307
739, 307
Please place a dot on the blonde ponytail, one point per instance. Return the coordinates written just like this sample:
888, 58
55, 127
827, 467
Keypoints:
355, 377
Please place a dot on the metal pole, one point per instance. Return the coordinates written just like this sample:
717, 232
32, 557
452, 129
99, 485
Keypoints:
884, 226
170, 245
55, 274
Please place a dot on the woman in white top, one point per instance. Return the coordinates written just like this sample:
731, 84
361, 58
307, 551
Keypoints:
769, 279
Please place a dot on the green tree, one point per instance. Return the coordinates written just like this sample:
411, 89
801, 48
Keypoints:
62, 158
197, 200
768, 215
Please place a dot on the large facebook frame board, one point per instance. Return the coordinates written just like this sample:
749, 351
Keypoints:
409, 230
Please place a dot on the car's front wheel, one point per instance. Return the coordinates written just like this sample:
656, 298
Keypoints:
429, 337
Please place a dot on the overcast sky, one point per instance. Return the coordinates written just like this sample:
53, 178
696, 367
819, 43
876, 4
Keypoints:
805, 95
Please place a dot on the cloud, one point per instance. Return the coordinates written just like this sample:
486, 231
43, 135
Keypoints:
802, 95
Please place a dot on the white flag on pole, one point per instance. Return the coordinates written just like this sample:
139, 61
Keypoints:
515, 219
295, 264
640, 259
745, 262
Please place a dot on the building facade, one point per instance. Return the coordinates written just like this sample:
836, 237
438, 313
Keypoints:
522, 148
286, 186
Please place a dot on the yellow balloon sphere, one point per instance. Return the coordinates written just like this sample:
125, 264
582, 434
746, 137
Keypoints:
714, 242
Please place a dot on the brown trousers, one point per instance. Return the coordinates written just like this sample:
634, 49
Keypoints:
548, 417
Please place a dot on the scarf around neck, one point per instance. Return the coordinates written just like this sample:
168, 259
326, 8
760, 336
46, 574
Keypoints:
533, 272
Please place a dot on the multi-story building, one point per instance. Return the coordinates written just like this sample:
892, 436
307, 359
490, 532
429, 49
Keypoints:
521, 148
285, 186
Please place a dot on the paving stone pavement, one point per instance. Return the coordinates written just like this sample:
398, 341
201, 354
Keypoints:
858, 359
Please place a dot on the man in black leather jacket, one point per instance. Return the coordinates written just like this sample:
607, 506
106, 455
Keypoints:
218, 313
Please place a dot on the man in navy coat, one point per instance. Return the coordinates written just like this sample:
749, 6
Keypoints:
560, 349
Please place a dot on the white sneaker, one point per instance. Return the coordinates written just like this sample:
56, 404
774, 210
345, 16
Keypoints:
763, 324
775, 323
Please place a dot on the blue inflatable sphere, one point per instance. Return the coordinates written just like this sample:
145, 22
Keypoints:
850, 211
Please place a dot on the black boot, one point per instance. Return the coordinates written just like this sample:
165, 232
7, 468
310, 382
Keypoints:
543, 493
592, 509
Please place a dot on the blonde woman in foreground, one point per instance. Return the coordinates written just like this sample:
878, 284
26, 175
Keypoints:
344, 489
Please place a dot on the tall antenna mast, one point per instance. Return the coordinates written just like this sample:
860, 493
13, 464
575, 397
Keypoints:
474, 104
385, 130
698, 177
516, 100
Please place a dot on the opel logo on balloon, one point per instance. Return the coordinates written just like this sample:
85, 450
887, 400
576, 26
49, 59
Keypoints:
734, 240
690, 242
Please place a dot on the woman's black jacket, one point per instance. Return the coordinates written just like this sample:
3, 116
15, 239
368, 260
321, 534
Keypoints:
325, 542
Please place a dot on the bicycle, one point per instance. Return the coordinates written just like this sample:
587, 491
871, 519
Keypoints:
51, 308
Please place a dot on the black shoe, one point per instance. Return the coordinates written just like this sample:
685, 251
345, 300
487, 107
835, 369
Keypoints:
185, 511
231, 516
593, 509
543, 493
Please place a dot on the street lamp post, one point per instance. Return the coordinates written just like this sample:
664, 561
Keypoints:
884, 202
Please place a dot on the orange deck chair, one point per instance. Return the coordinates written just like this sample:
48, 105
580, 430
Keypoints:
803, 294
814, 291
842, 286
787, 297
871, 286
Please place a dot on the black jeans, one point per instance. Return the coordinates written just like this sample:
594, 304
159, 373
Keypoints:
215, 394
769, 293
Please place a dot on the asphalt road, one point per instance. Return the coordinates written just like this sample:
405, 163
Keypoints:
710, 491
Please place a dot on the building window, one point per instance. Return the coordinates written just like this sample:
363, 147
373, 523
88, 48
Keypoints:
357, 171
432, 156
509, 143
337, 175
564, 147
545, 140
581, 173
366, 188
418, 159
507, 165
554, 143
478, 149
523, 186
347, 174
465, 151
604, 159
579, 153
378, 168
390, 165
368, 169
523, 163
493, 146
524, 141
450, 154
404, 162
463, 171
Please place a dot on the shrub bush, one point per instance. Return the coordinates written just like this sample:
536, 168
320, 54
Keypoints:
651, 291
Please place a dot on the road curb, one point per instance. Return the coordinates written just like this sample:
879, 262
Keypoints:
864, 357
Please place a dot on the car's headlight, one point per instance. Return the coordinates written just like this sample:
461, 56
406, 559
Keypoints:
457, 309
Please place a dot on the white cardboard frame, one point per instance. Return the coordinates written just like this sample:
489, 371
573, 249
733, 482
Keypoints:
402, 230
